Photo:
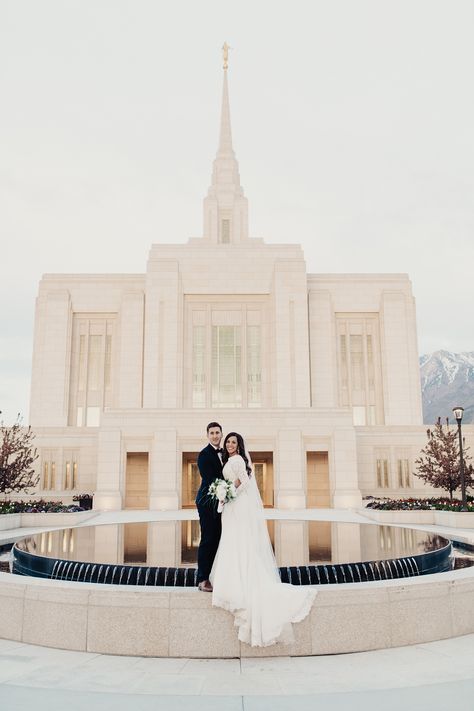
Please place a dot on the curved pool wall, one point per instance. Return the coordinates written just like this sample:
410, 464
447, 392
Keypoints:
181, 622
26, 563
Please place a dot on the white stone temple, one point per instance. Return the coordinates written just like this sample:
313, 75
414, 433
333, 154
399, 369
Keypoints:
319, 372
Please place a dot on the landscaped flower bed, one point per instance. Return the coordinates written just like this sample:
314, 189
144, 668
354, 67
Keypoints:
433, 504
38, 506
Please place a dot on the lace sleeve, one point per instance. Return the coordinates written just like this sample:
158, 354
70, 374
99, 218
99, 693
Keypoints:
239, 471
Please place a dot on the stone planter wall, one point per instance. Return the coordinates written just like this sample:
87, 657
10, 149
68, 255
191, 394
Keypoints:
420, 517
9, 521
454, 519
31, 520
451, 519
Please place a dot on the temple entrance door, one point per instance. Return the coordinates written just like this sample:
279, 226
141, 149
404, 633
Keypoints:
136, 481
191, 479
263, 467
317, 480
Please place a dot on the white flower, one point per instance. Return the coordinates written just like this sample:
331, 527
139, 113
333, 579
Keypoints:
221, 491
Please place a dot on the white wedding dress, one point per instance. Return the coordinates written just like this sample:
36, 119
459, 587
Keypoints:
245, 577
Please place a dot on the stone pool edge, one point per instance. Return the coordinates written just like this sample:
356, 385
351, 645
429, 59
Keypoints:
166, 622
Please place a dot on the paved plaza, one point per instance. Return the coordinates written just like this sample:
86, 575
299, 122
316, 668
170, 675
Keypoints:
431, 676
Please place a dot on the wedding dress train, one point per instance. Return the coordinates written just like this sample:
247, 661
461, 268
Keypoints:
244, 575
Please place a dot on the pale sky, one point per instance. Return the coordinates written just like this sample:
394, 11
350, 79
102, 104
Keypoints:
353, 124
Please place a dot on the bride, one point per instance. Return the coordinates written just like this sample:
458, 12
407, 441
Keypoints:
244, 576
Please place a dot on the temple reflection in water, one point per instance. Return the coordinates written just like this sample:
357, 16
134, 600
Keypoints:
174, 543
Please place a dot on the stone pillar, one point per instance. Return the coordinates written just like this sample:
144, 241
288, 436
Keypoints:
162, 345
290, 303
400, 367
51, 360
343, 475
323, 355
289, 470
130, 357
108, 496
164, 471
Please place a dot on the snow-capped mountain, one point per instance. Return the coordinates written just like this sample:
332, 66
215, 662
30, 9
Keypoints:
447, 380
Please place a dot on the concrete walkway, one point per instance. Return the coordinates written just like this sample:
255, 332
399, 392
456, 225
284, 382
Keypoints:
430, 677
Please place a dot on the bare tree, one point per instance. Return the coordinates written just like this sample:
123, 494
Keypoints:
17, 455
439, 464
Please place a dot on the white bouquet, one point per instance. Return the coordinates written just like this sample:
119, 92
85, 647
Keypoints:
223, 491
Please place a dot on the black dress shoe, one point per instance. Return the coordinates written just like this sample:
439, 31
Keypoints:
205, 586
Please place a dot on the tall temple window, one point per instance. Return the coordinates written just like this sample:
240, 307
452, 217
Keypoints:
225, 231
199, 366
254, 366
91, 382
403, 472
70, 458
225, 355
226, 366
360, 377
48, 469
382, 470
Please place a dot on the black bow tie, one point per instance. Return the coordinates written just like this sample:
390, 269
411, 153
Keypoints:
219, 450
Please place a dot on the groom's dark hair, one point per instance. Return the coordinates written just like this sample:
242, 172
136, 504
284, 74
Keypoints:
213, 424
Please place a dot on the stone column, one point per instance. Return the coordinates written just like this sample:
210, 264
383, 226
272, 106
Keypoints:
323, 355
289, 470
290, 303
51, 360
108, 496
130, 357
164, 471
162, 346
400, 367
343, 475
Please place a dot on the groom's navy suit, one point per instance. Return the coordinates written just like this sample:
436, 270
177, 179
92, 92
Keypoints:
210, 468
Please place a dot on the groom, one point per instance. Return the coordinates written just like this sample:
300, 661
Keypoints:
210, 467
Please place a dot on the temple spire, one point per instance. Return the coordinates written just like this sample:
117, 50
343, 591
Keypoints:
225, 207
225, 138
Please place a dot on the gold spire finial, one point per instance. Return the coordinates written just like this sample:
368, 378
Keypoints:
225, 55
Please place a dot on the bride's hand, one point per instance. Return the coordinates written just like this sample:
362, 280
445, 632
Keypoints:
237, 483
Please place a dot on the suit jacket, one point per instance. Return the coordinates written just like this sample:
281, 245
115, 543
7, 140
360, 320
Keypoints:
210, 468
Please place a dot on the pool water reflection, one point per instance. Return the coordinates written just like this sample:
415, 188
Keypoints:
174, 543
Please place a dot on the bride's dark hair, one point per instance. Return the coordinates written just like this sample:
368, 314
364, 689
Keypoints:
240, 450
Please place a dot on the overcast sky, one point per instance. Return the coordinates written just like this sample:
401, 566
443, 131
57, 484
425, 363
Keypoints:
353, 124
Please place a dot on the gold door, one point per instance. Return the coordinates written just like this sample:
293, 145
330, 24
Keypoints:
191, 480
136, 481
317, 480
